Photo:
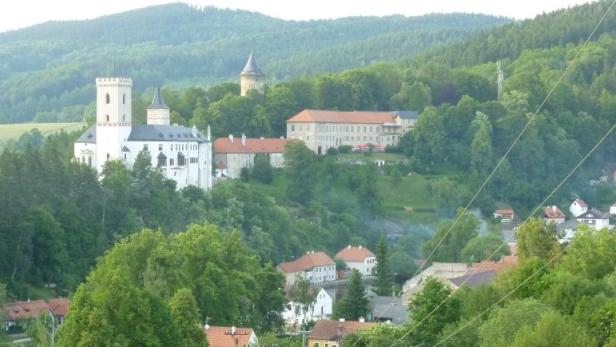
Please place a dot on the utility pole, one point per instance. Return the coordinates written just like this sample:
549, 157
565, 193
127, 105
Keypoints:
499, 80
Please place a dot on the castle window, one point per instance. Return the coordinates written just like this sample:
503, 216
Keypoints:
107, 156
107, 117
123, 118
171, 161
107, 98
181, 159
160, 147
123, 98
162, 160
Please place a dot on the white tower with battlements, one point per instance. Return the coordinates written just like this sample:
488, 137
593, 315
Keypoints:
113, 118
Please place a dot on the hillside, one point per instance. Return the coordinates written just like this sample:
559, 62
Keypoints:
48, 69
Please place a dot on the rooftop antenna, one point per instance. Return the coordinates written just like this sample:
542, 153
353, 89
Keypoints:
499, 80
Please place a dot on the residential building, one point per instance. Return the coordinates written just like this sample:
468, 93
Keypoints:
232, 155
473, 279
331, 333
316, 267
18, 314
182, 154
440, 271
505, 214
613, 209
321, 130
252, 78
595, 219
577, 207
295, 314
358, 258
553, 214
567, 230
230, 337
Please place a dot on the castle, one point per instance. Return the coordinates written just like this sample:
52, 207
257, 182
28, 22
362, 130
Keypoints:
182, 154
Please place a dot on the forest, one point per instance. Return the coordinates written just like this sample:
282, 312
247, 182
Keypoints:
47, 71
58, 218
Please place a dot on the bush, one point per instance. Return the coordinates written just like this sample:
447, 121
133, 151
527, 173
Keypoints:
344, 149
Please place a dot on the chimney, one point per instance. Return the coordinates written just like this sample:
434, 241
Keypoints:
206, 326
553, 207
359, 246
362, 319
341, 319
233, 330
209, 133
194, 130
243, 140
282, 138
231, 137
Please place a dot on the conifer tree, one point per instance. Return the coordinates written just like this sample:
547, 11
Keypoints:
354, 304
384, 278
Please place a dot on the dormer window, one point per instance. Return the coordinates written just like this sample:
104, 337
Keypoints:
107, 98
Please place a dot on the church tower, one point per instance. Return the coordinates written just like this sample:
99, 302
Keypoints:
113, 118
158, 111
252, 78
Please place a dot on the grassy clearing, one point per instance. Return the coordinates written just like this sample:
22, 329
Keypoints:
14, 131
408, 197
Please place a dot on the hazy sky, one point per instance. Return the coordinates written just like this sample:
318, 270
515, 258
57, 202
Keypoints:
22, 13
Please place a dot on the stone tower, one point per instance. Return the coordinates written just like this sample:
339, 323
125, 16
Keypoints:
158, 111
113, 118
252, 78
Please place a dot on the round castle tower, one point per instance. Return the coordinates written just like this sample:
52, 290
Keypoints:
252, 78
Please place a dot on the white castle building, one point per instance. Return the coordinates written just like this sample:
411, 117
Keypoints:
182, 154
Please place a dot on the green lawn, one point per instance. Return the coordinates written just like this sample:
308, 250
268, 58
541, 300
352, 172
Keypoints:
409, 198
14, 131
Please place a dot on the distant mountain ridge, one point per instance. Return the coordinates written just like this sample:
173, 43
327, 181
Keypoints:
47, 70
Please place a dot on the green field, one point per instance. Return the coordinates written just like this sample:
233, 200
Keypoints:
14, 131
408, 198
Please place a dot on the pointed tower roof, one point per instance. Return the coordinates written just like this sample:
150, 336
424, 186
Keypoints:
251, 66
158, 102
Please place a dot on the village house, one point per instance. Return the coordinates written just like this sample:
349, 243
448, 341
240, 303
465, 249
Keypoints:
505, 214
232, 154
295, 314
553, 214
331, 333
577, 207
18, 314
230, 337
321, 130
595, 219
613, 209
182, 154
358, 258
316, 267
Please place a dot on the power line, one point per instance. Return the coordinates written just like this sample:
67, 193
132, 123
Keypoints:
535, 210
516, 140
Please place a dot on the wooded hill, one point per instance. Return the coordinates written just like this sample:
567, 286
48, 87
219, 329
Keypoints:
51, 67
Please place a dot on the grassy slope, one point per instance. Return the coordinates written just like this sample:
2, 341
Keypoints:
14, 131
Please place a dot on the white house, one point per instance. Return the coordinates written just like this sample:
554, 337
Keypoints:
358, 258
182, 154
296, 314
613, 209
234, 154
316, 267
577, 207
595, 219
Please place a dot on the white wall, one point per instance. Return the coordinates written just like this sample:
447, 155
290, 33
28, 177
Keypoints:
365, 267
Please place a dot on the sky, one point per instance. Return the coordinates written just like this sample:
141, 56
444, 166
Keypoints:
23, 13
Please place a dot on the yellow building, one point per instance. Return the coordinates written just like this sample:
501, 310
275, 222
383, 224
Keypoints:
331, 333
321, 130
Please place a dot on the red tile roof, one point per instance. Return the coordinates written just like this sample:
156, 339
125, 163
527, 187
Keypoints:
354, 254
307, 262
361, 117
25, 309
506, 262
221, 336
250, 145
553, 212
505, 212
330, 330
59, 306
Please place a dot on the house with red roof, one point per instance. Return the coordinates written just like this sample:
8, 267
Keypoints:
17, 314
231, 154
553, 214
578, 207
331, 333
230, 336
316, 267
358, 258
321, 130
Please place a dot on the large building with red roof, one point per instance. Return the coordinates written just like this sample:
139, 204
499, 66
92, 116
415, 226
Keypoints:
230, 337
316, 267
234, 154
358, 258
321, 130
